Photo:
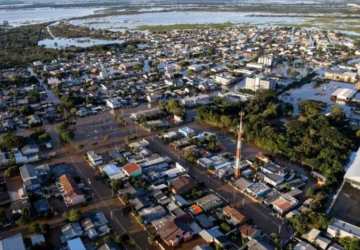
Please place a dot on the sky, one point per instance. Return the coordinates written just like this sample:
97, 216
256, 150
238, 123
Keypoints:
173, 1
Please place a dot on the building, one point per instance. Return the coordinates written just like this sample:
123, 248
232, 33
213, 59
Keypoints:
70, 191
284, 204
15, 242
76, 244
265, 60
94, 159
113, 172
152, 213
170, 232
343, 95
145, 114
258, 189
182, 184
209, 202
341, 229
132, 169
234, 216
258, 66
258, 83
114, 103
349, 77
302, 245
193, 101
186, 131
352, 175
32, 177
225, 79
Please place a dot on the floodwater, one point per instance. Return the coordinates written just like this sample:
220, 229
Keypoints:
84, 42
18, 17
133, 21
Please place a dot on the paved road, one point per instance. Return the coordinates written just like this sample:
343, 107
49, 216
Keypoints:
260, 214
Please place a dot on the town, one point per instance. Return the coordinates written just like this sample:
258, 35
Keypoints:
231, 137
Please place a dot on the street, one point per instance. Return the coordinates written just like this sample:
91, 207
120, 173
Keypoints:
258, 213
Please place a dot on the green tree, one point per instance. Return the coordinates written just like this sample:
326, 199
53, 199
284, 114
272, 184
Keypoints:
73, 215
34, 227
350, 243
10, 140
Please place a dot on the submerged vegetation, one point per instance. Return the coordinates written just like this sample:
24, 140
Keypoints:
164, 28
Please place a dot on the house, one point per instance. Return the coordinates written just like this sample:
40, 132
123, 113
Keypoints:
37, 239
248, 231
71, 231
94, 159
33, 177
233, 216
76, 244
109, 246
209, 202
15, 242
70, 191
259, 244
258, 189
186, 131
182, 184
152, 213
284, 204
171, 232
132, 169
114, 103
113, 172
302, 245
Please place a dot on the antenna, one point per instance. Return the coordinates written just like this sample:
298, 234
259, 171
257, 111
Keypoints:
239, 147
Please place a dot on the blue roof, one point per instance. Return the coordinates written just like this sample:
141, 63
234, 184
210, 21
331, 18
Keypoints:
76, 244
111, 169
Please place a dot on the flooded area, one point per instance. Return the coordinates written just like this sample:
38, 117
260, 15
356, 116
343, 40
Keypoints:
134, 21
84, 42
18, 17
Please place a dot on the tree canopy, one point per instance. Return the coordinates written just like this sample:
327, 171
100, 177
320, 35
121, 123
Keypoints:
321, 142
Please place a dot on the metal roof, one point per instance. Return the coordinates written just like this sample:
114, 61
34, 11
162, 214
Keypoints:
353, 172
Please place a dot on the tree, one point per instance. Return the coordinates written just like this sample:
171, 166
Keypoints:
65, 133
350, 243
116, 185
174, 107
310, 108
34, 227
73, 215
11, 171
10, 140
24, 218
